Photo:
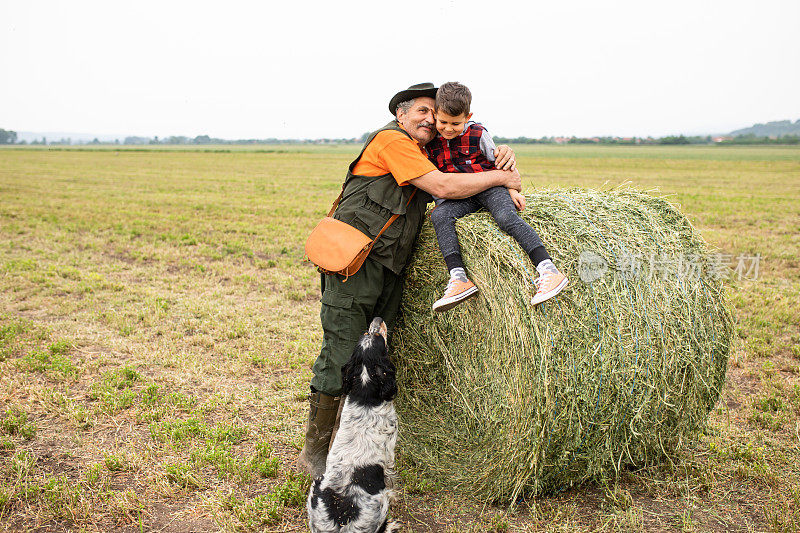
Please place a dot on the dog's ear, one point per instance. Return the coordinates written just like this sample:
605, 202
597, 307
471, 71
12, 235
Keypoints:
349, 369
347, 378
388, 383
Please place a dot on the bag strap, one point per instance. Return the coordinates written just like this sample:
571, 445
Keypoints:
336, 203
392, 218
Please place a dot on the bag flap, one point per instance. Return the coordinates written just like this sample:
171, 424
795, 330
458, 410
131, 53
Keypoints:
333, 244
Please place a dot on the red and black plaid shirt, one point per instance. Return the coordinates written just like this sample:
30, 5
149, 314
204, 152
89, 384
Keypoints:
460, 154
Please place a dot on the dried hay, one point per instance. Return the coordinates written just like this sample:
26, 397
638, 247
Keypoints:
501, 399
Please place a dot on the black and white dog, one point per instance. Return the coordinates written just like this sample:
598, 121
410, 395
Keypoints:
354, 494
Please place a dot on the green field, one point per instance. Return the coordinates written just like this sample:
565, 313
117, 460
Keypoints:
158, 324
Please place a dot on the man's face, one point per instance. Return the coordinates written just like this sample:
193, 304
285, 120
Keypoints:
419, 122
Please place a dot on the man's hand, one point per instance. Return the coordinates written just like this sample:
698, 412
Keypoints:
518, 199
504, 158
514, 181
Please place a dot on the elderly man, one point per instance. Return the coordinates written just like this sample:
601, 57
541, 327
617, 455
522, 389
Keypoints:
391, 175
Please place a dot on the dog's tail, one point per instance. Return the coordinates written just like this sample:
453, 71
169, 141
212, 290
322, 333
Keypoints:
389, 527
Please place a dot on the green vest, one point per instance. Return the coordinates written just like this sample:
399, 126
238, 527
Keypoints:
369, 201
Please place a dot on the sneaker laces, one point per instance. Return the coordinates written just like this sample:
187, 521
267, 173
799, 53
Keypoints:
544, 275
451, 284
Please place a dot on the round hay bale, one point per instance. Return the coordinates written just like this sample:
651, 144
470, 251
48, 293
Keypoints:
500, 399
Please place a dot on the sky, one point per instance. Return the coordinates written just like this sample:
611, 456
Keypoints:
301, 69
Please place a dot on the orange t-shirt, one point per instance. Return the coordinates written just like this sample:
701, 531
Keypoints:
393, 152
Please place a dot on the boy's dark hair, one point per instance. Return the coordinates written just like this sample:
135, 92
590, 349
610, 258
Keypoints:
453, 98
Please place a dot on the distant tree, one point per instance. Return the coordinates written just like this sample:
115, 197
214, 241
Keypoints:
8, 137
750, 138
202, 139
673, 139
95, 141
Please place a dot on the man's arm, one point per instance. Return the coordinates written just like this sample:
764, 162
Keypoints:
455, 185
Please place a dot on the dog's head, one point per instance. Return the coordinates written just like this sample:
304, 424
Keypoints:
368, 378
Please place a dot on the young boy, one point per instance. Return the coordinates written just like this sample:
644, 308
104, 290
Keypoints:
464, 146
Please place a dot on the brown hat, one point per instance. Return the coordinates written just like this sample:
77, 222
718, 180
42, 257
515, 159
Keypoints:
415, 91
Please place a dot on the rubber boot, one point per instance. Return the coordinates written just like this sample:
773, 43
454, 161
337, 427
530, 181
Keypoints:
336, 424
321, 418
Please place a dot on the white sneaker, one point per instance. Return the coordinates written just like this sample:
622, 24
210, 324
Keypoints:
456, 292
548, 285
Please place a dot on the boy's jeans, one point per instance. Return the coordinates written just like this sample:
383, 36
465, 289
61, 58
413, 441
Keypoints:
498, 202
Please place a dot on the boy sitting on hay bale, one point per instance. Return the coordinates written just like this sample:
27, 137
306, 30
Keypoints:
464, 146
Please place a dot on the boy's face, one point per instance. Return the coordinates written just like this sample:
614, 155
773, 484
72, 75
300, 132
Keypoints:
449, 126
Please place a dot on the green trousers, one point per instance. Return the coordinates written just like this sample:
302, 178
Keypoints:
348, 307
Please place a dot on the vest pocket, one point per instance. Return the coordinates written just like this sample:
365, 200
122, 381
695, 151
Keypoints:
375, 221
388, 195
468, 153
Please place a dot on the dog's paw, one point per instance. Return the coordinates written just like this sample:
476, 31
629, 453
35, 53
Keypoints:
393, 526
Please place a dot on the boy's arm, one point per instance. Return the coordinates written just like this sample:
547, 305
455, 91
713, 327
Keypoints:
502, 156
487, 146
456, 185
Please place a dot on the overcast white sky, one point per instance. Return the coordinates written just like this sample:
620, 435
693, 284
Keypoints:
328, 69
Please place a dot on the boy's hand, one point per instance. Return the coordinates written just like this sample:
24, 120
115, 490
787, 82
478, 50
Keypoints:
518, 199
504, 158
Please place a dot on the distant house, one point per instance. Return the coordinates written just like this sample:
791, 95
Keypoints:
721, 138
561, 140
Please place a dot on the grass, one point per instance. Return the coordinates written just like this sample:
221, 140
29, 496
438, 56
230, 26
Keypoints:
15, 422
158, 317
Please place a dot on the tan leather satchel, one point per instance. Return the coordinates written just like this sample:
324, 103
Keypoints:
337, 247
